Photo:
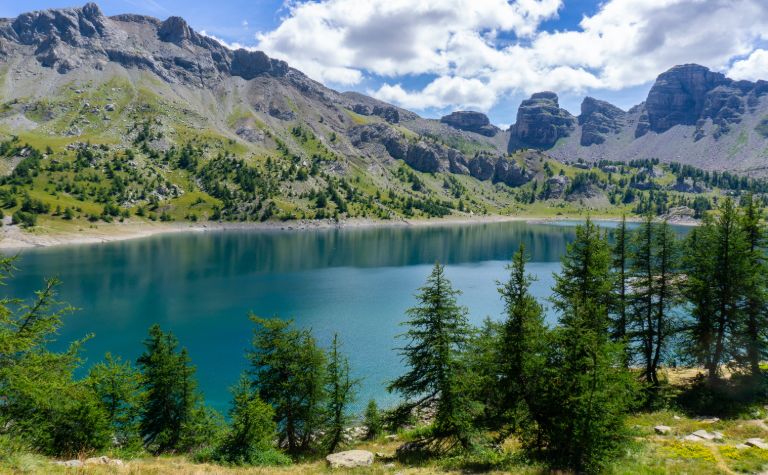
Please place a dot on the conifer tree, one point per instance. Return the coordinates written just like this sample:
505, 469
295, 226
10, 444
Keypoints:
653, 272
522, 342
620, 264
373, 421
755, 286
586, 391
287, 371
717, 268
118, 386
251, 437
171, 392
436, 338
340, 390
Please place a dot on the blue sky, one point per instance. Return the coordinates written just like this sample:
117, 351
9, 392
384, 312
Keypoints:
434, 56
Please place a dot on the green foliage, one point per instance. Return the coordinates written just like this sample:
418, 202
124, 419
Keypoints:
118, 386
42, 404
579, 411
372, 420
171, 417
288, 371
436, 340
717, 265
250, 439
521, 353
340, 391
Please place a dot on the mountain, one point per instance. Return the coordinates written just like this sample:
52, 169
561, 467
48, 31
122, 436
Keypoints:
129, 117
692, 115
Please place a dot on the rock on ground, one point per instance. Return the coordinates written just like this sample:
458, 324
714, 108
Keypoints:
350, 459
661, 429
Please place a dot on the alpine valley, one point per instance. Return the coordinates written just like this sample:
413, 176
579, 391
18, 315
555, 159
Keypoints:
129, 118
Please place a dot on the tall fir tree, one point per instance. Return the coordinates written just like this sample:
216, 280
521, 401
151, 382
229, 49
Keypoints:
717, 268
620, 264
437, 335
756, 284
521, 354
653, 272
582, 404
287, 371
172, 400
340, 388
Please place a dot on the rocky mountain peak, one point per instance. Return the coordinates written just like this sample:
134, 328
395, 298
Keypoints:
541, 122
679, 96
68, 25
174, 30
599, 118
470, 121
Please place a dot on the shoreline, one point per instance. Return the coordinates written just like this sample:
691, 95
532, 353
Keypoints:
14, 238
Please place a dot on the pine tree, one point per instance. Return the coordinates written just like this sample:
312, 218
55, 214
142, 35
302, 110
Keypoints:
373, 421
287, 371
755, 286
437, 336
717, 269
653, 272
340, 388
521, 353
117, 385
580, 407
251, 437
620, 264
171, 391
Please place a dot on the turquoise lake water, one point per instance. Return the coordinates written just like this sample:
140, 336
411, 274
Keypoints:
357, 282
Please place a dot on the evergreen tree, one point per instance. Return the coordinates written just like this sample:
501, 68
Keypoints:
437, 336
117, 385
654, 277
251, 437
580, 407
287, 371
340, 388
41, 403
171, 391
620, 265
717, 269
755, 286
522, 350
373, 421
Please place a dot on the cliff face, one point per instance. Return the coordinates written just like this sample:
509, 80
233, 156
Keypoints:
541, 122
691, 115
471, 122
69, 38
598, 119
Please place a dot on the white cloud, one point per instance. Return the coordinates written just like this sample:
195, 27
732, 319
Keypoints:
482, 50
754, 67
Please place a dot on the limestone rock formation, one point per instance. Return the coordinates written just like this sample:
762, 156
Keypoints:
471, 122
541, 121
598, 119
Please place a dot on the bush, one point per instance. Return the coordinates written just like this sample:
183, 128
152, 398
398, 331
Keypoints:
22, 218
373, 420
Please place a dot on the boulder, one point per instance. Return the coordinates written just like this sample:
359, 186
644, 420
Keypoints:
70, 463
662, 429
702, 434
692, 438
756, 442
350, 459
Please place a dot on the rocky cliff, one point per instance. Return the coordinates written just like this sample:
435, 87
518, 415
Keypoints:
691, 115
541, 122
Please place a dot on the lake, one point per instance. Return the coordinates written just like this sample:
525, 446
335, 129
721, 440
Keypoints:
357, 282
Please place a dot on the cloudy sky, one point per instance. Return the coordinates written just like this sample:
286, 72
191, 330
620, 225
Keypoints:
434, 56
